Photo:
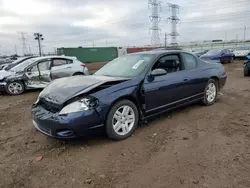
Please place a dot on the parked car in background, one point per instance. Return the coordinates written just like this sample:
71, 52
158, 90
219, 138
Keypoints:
198, 53
242, 52
247, 66
218, 56
39, 72
115, 98
8, 66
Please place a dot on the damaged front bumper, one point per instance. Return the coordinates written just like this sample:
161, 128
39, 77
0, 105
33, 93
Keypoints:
69, 126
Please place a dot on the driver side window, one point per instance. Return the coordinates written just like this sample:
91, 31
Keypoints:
166, 62
34, 68
44, 65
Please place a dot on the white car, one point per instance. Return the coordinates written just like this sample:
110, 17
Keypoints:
242, 52
39, 72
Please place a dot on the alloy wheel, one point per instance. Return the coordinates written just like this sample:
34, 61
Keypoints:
211, 92
15, 88
123, 120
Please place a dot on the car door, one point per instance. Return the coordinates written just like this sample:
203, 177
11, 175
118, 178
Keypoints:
163, 91
32, 76
39, 74
194, 79
225, 56
44, 68
61, 67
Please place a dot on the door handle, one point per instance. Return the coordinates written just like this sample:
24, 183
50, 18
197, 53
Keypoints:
185, 80
68, 67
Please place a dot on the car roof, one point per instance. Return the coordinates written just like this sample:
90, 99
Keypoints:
55, 56
159, 52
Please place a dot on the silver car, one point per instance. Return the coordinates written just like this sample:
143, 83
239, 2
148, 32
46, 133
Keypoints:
39, 72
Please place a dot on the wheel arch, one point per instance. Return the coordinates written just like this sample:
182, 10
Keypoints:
216, 79
77, 73
130, 98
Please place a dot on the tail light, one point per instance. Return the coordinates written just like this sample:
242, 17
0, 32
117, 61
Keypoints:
83, 65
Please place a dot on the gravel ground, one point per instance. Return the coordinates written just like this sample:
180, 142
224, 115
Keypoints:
197, 146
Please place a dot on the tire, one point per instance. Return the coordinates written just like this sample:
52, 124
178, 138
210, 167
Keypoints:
209, 101
17, 90
124, 129
246, 71
77, 74
232, 60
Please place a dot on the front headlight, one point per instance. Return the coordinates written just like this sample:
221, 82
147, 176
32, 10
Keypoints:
79, 106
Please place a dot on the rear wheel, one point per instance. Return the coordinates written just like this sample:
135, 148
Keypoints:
246, 71
15, 88
122, 120
211, 92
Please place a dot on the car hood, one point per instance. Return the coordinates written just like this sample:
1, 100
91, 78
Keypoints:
4, 74
61, 90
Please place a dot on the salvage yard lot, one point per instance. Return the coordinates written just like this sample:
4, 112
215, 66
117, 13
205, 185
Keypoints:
195, 146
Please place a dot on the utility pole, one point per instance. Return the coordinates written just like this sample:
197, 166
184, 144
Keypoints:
245, 28
165, 39
24, 42
29, 50
39, 38
155, 18
15, 49
174, 20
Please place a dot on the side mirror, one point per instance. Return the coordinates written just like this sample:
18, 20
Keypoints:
158, 72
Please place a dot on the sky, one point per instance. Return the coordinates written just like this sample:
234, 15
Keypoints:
73, 23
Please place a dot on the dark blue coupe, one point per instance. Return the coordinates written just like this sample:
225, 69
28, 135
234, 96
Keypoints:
128, 89
218, 56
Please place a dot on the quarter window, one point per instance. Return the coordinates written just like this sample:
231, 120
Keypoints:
59, 62
190, 61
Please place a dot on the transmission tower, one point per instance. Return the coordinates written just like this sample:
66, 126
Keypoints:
174, 20
155, 18
24, 41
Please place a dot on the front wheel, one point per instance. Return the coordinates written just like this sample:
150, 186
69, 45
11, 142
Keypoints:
15, 88
122, 120
211, 92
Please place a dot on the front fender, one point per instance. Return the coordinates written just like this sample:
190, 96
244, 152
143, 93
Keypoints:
107, 101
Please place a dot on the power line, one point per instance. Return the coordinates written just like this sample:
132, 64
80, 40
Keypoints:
155, 19
174, 20
23, 39
245, 28
165, 40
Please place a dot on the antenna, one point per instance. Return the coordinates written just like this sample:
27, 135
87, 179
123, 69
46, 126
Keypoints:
155, 18
174, 20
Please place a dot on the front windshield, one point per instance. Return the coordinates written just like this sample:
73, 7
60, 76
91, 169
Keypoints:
23, 65
126, 66
213, 52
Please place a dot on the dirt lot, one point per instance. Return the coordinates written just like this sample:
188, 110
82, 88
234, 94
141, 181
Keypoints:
193, 147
